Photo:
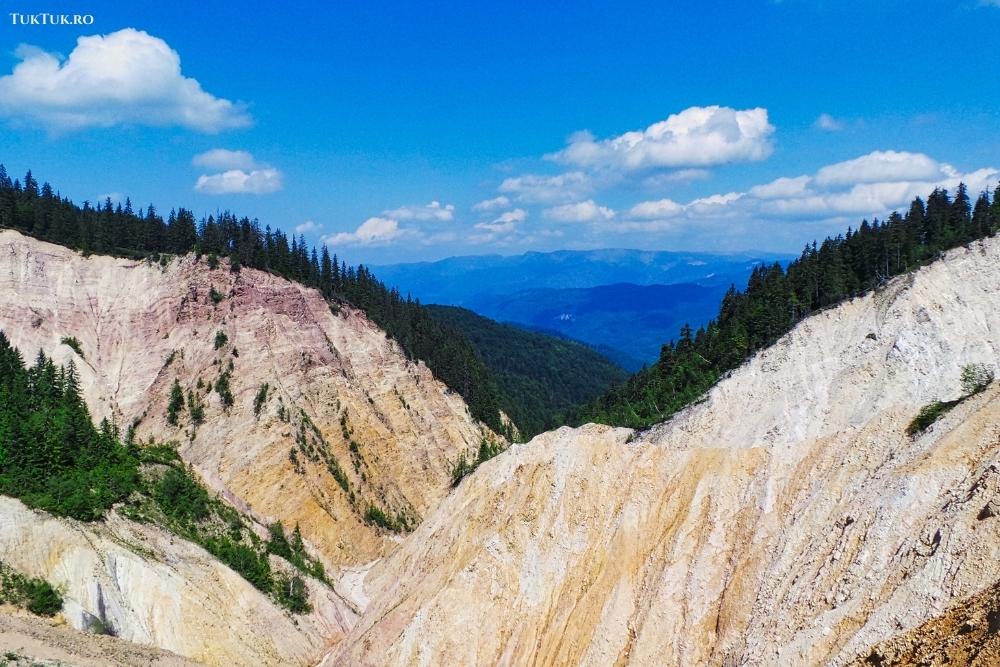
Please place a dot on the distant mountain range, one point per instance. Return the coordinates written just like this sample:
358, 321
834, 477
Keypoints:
624, 303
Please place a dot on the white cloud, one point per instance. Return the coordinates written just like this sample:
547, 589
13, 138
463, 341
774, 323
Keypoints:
373, 231
828, 123
533, 188
222, 159
661, 208
695, 137
881, 166
307, 227
782, 187
584, 211
126, 77
506, 222
871, 185
243, 174
667, 179
492, 204
236, 181
431, 211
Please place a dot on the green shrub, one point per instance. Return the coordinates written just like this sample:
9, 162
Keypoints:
487, 450
36, 595
374, 515
220, 339
338, 474
929, 414
291, 593
213, 261
222, 388
976, 377
181, 498
176, 403
259, 399
196, 408
72, 342
252, 566
164, 454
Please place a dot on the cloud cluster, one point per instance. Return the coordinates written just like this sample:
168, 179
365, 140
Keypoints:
535, 189
695, 137
431, 211
867, 186
126, 77
242, 174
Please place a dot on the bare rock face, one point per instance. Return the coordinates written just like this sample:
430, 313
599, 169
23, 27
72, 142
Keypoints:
332, 379
143, 584
786, 519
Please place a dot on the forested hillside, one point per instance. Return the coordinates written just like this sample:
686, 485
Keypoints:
120, 230
776, 299
540, 376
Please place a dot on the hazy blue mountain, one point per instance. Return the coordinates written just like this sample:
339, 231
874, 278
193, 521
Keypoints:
457, 280
624, 303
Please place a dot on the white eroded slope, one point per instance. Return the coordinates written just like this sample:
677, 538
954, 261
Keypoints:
787, 519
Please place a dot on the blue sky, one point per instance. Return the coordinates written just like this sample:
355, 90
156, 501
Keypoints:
380, 127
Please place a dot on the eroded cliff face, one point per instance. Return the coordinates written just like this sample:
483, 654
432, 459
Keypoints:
333, 379
346, 424
786, 519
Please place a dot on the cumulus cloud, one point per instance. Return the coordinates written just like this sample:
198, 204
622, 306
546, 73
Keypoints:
373, 231
492, 204
533, 188
584, 211
781, 187
221, 159
431, 211
243, 174
882, 166
307, 227
236, 181
695, 137
126, 77
661, 208
828, 123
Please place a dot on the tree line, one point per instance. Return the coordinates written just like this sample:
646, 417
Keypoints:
51, 454
777, 298
121, 230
